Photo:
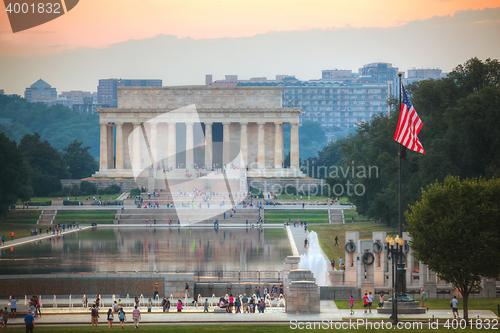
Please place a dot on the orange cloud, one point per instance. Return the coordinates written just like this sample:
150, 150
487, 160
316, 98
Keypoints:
99, 23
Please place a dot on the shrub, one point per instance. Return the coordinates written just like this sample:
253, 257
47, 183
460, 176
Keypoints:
135, 191
88, 188
71, 203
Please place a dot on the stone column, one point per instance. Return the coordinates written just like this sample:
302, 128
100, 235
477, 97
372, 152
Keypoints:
189, 146
103, 161
278, 146
244, 144
172, 150
153, 143
261, 150
208, 144
294, 146
111, 150
136, 148
119, 146
226, 149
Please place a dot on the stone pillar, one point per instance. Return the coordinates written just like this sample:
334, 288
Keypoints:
103, 161
111, 150
153, 142
294, 146
278, 146
189, 146
119, 146
261, 150
136, 148
244, 144
208, 144
172, 150
226, 151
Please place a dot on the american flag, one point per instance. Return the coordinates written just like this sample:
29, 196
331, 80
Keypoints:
409, 125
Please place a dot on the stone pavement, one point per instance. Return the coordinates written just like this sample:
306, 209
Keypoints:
43, 235
329, 312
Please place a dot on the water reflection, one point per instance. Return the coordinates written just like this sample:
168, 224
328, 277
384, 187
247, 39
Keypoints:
173, 249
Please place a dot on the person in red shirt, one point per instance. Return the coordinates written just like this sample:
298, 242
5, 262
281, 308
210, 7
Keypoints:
365, 301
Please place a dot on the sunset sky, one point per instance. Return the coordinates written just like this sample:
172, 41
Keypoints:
99, 23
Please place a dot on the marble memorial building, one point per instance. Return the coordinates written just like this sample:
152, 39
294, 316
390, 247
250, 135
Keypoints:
188, 127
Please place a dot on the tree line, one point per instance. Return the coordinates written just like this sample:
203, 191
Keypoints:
34, 167
460, 134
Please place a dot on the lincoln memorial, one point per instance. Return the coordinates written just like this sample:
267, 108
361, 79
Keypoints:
198, 127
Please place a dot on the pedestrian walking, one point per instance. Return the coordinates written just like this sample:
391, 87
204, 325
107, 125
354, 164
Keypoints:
94, 313
381, 301
423, 297
110, 318
13, 306
370, 301
136, 314
29, 320
454, 307
5, 318
157, 288
122, 317
336, 241
351, 304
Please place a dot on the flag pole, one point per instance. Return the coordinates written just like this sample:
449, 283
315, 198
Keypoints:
401, 152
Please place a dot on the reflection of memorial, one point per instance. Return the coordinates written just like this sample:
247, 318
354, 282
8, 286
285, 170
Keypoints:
198, 249
162, 249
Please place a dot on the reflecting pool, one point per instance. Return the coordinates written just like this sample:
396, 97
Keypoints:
161, 249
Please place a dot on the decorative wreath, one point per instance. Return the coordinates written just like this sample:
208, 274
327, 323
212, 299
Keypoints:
406, 247
350, 247
377, 247
368, 258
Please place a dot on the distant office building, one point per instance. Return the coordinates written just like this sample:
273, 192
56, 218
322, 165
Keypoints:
333, 104
415, 74
107, 93
40, 91
64, 101
381, 72
337, 75
88, 106
76, 96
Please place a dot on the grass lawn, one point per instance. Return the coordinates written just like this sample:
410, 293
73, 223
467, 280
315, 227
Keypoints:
327, 233
43, 199
344, 200
103, 327
432, 304
20, 222
350, 213
311, 216
86, 217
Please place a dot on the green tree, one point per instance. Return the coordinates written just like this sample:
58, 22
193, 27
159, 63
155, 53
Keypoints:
79, 161
47, 164
312, 138
460, 136
15, 175
454, 230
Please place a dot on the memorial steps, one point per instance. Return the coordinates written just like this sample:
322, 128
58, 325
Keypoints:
195, 215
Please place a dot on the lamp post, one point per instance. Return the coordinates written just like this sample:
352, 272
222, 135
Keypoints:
395, 247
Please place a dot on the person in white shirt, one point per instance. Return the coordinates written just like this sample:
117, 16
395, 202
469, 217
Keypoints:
454, 307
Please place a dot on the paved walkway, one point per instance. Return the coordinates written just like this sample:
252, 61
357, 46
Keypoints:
30, 239
329, 312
